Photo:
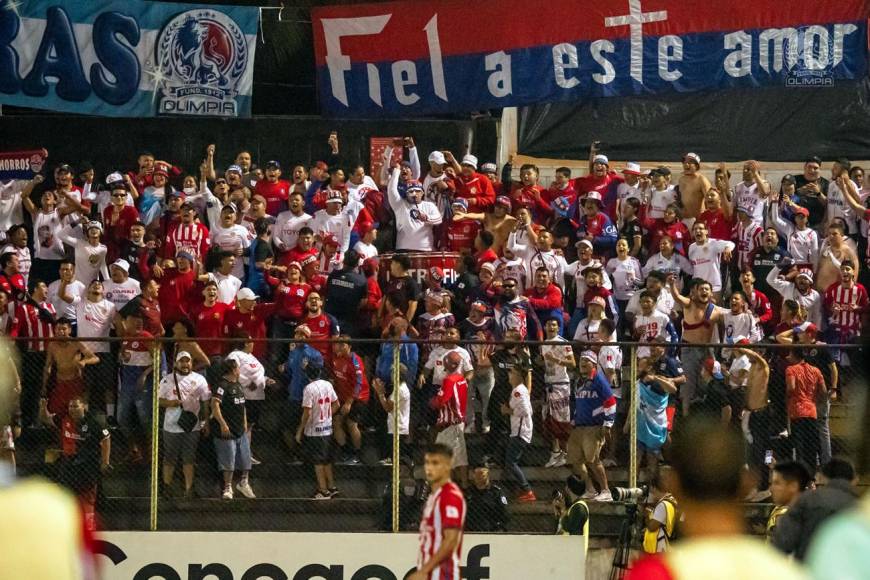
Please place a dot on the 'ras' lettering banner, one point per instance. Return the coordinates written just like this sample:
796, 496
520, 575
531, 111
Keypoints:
125, 58
411, 58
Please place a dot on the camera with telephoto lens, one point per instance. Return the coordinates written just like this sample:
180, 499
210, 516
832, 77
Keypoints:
630, 494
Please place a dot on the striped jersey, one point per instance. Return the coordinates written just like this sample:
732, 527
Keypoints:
845, 306
452, 400
445, 509
29, 324
191, 238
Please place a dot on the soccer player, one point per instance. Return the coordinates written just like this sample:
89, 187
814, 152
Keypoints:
442, 521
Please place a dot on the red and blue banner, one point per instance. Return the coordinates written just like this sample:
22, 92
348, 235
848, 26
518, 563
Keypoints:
418, 58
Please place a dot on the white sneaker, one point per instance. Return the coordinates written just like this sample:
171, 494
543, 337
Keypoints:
590, 494
244, 488
604, 496
562, 461
228, 493
554, 458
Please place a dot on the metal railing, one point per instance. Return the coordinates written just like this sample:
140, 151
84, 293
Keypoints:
278, 480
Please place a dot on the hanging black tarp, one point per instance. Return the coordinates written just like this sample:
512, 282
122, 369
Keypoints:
774, 124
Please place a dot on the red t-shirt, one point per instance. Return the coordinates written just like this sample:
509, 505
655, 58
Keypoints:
461, 234
479, 187
485, 257
606, 186
208, 322
174, 294
151, 318
296, 254
718, 226
808, 383
322, 327
350, 378
290, 301
276, 195
253, 323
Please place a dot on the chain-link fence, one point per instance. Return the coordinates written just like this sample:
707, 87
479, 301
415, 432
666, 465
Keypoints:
311, 435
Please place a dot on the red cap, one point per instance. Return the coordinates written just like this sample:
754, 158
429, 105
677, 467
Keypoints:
802, 211
330, 239
370, 266
294, 264
436, 273
743, 341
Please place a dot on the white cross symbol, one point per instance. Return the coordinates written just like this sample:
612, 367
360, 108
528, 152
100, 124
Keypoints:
635, 19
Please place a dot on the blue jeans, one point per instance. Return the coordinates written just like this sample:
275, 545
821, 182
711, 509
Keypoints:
134, 403
512, 456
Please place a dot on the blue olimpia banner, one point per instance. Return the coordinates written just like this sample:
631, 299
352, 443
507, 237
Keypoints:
127, 58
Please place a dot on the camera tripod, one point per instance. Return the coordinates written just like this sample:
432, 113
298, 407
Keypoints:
624, 543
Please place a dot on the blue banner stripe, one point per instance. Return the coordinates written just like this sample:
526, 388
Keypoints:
533, 78
150, 15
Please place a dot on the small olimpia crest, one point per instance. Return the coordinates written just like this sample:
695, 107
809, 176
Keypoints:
203, 55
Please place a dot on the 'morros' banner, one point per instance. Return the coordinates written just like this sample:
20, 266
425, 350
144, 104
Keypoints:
283, 556
127, 58
411, 58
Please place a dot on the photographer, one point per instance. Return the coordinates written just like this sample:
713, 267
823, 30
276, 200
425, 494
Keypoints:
572, 513
660, 519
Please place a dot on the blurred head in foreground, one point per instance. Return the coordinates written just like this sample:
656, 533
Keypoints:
708, 463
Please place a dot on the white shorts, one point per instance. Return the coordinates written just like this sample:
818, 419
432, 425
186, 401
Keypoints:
454, 438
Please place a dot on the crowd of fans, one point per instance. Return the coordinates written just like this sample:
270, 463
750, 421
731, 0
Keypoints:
309, 254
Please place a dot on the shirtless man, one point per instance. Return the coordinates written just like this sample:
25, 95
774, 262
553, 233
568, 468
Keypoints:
833, 253
499, 222
693, 187
702, 320
68, 358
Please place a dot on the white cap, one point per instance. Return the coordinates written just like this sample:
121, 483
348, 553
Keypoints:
632, 168
114, 177
470, 160
589, 355
94, 224
601, 159
437, 157
693, 157
246, 294
182, 354
123, 264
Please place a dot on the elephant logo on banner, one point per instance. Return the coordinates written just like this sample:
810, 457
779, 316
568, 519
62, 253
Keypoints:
202, 55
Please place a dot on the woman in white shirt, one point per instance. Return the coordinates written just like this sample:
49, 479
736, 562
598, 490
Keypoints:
627, 278
802, 242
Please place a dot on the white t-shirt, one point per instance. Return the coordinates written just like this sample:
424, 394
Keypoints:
706, 260
587, 331
610, 359
521, 413
194, 390
228, 286
435, 362
838, 207
47, 244
74, 289
627, 277
746, 197
404, 411
739, 363
90, 260
660, 200
232, 239
10, 204
664, 303
365, 250
556, 373
648, 328
121, 293
414, 222
740, 325
319, 397
285, 232
252, 375
675, 264
95, 320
